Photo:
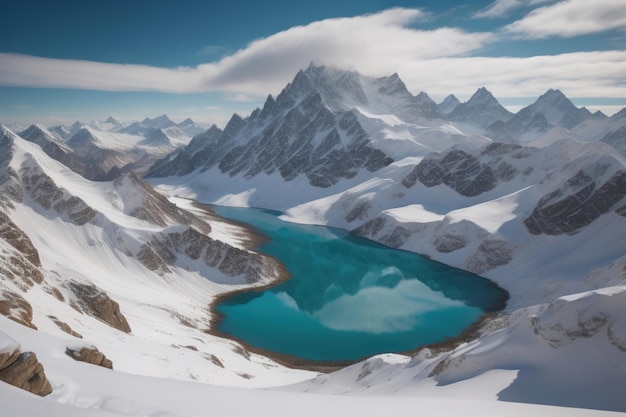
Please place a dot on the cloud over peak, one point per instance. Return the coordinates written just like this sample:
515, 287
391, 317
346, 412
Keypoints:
571, 18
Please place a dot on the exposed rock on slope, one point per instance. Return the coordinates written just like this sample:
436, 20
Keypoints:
89, 355
97, 303
186, 247
23, 370
467, 174
577, 204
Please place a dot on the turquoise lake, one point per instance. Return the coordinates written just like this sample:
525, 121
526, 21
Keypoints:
348, 297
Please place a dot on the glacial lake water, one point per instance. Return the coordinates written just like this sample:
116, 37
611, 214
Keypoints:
348, 297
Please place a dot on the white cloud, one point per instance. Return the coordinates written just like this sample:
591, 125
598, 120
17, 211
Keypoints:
372, 43
501, 8
581, 74
31, 71
379, 44
498, 8
571, 18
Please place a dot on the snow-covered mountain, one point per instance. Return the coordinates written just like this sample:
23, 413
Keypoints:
326, 124
448, 104
480, 111
100, 151
545, 222
550, 110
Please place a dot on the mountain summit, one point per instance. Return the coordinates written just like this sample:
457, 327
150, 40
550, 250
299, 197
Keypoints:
481, 110
311, 128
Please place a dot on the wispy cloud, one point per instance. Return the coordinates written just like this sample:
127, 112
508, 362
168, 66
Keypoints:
437, 61
571, 18
210, 50
501, 8
498, 8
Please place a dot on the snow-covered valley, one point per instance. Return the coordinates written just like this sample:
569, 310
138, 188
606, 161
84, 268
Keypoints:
132, 270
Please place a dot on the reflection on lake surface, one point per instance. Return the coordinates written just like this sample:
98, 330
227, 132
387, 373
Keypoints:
349, 297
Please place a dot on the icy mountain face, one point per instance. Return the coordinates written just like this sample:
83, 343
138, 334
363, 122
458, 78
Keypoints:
448, 104
429, 108
617, 140
481, 110
190, 128
551, 109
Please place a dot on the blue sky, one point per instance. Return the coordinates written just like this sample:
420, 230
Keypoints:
68, 60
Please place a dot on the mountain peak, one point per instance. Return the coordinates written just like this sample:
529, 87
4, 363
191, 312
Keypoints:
482, 110
113, 120
448, 104
481, 96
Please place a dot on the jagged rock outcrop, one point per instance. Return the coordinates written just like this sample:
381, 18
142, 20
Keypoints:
186, 247
90, 355
16, 308
467, 174
23, 370
95, 302
20, 262
579, 202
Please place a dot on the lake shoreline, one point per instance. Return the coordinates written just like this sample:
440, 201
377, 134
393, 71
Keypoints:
254, 239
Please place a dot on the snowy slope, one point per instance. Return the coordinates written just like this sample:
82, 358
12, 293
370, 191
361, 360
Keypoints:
87, 236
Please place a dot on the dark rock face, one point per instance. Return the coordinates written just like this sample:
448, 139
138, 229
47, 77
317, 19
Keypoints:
378, 230
24, 371
90, 355
450, 243
469, 175
97, 303
578, 203
166, 249
491, 254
